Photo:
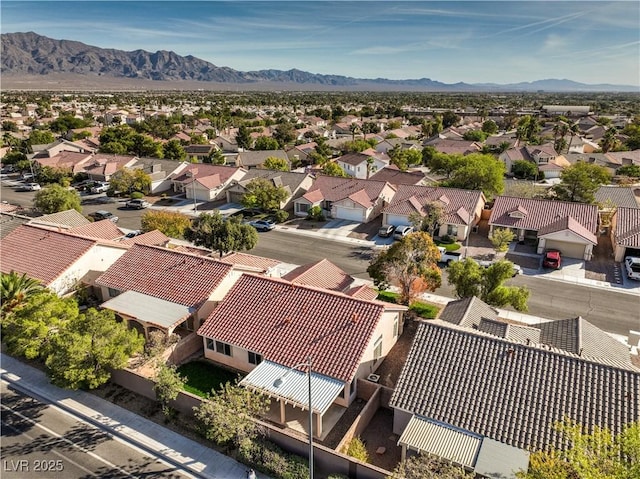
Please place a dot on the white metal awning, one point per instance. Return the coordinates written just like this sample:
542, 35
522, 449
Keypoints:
456, 445
149, 309
295, 386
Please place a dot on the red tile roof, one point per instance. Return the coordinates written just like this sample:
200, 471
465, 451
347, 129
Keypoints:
103, 229
252, 261
409, 197
203, 170
163, 273
362, 292
41, 253
286, 323
321, 274
541, 213
568, 223
152, 238
334, 188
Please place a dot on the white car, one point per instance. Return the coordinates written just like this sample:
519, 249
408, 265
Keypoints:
402, 231
100, 188
632, 265
32, 187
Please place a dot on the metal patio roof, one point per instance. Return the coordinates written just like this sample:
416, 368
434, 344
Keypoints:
147, 308
295, 386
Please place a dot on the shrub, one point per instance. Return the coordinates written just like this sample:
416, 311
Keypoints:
447, 239
424, 310
388, 296
281, 216
315, 214
358, 450
271, 459
136, 195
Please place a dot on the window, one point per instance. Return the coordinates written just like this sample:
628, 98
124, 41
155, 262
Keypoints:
452, 230
223, 348
254, 358
113, 292
210, 344
302, 207
395, 326
377, 349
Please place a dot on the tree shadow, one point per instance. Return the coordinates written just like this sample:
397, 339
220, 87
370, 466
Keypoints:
14, 425
140, 469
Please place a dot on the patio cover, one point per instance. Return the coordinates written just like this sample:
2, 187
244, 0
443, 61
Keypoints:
149, 309
295, 386
456, 445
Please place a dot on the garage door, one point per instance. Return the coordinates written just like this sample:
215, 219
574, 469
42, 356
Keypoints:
351, 214
235, 197
569, 250
397, 220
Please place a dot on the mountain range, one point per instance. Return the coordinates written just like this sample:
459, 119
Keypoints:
30, 56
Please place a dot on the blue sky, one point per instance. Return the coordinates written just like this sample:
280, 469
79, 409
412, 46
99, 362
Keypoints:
474, 42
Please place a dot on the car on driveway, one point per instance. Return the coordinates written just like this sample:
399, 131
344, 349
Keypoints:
263, 225
137, 204
386, 230
552, 259
100, 187
104, 215
402, 231
632, 266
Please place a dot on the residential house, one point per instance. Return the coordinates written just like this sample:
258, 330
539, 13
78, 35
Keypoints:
389, 143
75, 162
299, 154
102, 165
360, 165
200, 152
155, 288
625, 232
462, 208
610, 198
57, 147
454, 147
544, 157
205, 182
345, 198
252, 264
264, 326
485, 393
395, 177
160, 171
255, 159
58, 259
227, 143
295, 184
62, 220
562, 225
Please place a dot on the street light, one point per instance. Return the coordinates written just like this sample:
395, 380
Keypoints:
193, 189
279, 382
466, 246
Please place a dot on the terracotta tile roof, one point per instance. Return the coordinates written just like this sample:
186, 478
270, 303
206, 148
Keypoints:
396, 177
151, 238
7, 208
452, 199
167, 274
313, 196
508, 391
286, 323
321, 274
66, 159
190, 249
210, 182
627, 230
41, 253
334, 188
202, 170
103, 229
250, 260
361, 198
568, 223
541, 213
362, 292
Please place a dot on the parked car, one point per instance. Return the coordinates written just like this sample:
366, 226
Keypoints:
31, 187
133, 234
137, 204
263, 225
632, 265
27, 176
448, 257
516, 268
104, 215
386, 230
100, 187
402, 231
552, 259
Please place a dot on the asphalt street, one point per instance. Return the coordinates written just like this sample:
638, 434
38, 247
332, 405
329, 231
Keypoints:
40, 441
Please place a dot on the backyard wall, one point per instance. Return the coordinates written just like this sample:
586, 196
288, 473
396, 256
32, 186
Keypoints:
325, 459
184, 349
364, 418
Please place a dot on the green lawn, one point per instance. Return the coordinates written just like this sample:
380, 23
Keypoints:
424, 310
202, 377
449, 246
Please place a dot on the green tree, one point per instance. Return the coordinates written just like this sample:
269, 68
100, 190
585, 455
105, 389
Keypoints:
173, 150
475, 135
632, 171
13, 157
430, 219
219, 234
55, 198
16, 289
427, 466
471, 279
126, 181
41, 137
523, 169
266, 143
168, 384
144, 146
449, 118
89, 347
490, 127
30, 328
501, 238
479, 172
609, 140
285, 133
275, 163
357, 449
331, 168
227, 416
243, 138
262, 193
409, 264
217, 158
596, 455
580, 181
444, 164
171, 223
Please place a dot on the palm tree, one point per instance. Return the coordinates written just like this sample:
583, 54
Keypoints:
574, 129
354, 129
609, 140
15, 289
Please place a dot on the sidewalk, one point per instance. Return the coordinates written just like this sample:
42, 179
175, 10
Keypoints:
159, 441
